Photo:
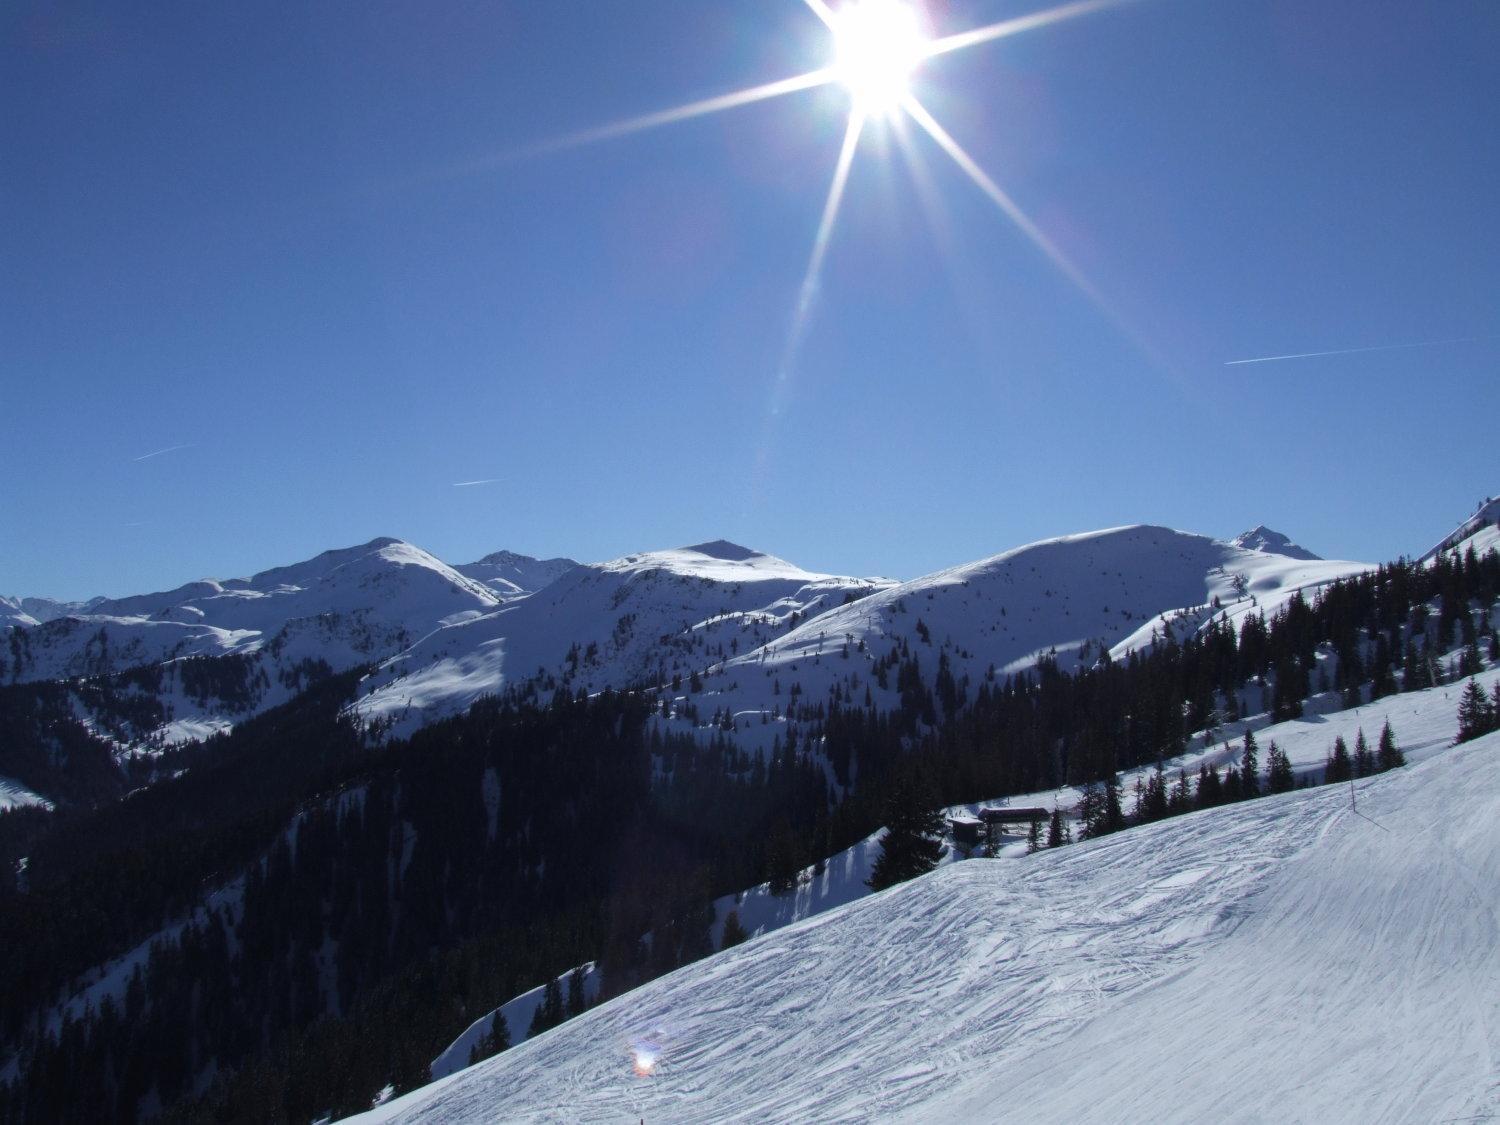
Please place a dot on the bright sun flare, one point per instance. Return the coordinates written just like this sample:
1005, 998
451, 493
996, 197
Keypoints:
879, 44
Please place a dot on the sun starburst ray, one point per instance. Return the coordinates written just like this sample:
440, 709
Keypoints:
673, 116
1016, 26
806, 295
1034, 233
1002, 200
822, 11
808, 291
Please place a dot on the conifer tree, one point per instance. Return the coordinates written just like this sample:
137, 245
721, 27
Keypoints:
992, 840
1055, 829
1210, 787
1338, 767
782, 865
1388, 756
549, 1013
1100, 808
576, 999
1181, 800
1034, 838
1364, 760
1250, 768
1232, 789
492, 1042
1280, 778
1151, 801
1470, 663
1475, 712
912, 843
734, 932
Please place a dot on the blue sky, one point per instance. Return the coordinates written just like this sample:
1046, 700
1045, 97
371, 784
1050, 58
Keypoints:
307, 244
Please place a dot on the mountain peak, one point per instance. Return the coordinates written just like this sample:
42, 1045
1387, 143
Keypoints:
1263, 539
1485, 514
509, 573
724, 550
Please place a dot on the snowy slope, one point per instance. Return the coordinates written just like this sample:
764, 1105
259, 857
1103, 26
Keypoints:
378, 597
1423, 722
510, 575
14, 795
1262, 538
1483, 528
1292, 960
340, 609
1073, 596
33, 611
613, 624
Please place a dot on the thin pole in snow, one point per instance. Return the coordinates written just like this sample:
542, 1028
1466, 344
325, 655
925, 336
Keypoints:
1354, 808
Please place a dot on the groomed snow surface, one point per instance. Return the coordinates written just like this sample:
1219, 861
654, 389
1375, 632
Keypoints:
1289, 959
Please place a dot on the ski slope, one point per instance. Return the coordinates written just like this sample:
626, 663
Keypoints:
1423, 722
1287, 958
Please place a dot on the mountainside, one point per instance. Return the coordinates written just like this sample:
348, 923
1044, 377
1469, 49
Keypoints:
33, 611
1262, 538
283, 626
733, 639
1481, 530
1071, 599
1425, 720
1034, 984
634, 621
510, 575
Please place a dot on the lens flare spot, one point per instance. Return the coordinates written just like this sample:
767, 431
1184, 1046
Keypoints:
643, 1060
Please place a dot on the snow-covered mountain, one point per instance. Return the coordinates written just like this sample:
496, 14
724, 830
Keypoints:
759, 631
1293, 930
639, 620
1072, 598
33, 611
1262, 538
510, 575
1481, 530
340, 609
717, 627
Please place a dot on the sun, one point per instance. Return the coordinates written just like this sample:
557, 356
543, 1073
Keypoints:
878, 47
878, 44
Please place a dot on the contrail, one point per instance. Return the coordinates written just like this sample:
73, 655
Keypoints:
159, 452
1359, 351
472, 483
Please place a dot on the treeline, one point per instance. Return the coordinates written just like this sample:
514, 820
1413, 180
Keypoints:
48, 747
433, 877
1478, 715
100, 880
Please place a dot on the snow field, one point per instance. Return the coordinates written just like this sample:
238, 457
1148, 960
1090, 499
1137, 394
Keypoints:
1276, 959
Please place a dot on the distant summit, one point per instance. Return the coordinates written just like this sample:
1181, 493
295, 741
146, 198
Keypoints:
1270, 542
1486, 516
725, 550
510, 575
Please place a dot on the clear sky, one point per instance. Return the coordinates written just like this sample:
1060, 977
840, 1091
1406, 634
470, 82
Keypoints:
313, 247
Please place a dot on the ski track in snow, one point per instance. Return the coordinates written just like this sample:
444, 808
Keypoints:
1277, 959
